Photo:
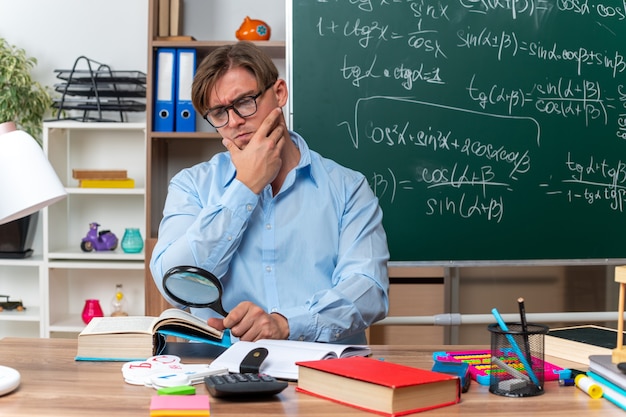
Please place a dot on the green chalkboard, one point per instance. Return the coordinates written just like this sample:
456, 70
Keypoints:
489, 130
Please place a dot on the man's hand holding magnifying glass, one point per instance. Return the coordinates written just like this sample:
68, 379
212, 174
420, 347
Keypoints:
250, 322
194, 287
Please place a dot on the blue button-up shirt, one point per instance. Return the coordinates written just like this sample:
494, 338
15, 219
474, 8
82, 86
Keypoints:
316, 252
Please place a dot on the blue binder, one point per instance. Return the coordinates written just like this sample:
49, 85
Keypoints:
185, 113
165, 91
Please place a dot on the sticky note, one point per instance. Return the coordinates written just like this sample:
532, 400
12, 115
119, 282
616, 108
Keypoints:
179, 405
179, 390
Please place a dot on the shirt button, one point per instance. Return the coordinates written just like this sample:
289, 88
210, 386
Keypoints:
268, 269
249, 207
229, 238
274, 310
301, 338
268, 226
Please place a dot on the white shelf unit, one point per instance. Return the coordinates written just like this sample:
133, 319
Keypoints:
71, 275
25, 280
73, 282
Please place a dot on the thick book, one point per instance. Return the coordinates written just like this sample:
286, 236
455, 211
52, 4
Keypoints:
101, 174
377, 386
283, 355
577, 343
164, 18
139, 337
603, 365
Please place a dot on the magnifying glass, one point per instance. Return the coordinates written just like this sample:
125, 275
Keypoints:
194, 287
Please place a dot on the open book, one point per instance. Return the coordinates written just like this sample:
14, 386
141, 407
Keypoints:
139, 337
283, 355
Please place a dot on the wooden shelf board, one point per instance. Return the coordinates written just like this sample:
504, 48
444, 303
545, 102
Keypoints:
275, 49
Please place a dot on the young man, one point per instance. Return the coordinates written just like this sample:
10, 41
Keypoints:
296, 239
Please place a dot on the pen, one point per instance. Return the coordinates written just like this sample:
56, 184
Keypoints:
515, 347
522, 314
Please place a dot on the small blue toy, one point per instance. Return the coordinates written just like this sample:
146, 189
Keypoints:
460, 369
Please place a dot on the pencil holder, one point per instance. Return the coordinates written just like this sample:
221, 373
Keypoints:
517, 359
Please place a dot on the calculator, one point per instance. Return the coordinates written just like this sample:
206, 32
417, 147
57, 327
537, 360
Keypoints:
243, 385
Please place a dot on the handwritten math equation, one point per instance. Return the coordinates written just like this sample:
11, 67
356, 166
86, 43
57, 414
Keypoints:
595, 180
582, 86
485, 173
466, 205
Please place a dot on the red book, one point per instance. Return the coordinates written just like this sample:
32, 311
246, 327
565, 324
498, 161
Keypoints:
377, 386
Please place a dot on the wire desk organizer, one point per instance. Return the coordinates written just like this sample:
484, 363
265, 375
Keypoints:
97, 88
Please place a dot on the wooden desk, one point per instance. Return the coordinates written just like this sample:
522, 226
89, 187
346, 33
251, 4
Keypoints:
53, 384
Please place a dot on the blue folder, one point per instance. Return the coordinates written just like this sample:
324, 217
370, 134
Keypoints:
185, 113
165, 90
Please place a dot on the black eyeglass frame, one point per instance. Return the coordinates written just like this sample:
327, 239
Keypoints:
233, 104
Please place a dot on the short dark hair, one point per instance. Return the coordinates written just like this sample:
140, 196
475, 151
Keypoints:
241, 54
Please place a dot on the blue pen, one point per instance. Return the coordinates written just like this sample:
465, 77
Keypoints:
515, 347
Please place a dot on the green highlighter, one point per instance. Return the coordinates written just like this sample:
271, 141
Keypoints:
179, 390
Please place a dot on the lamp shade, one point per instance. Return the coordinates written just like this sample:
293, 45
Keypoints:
28, 182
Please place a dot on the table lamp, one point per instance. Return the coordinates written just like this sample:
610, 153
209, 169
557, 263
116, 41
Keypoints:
28, 183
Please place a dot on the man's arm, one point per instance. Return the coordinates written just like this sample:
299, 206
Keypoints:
203, 234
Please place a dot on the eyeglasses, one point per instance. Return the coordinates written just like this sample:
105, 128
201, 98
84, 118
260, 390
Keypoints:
243, 107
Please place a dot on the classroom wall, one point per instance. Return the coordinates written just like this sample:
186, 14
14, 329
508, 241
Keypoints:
115, 32
545, 289
57, 32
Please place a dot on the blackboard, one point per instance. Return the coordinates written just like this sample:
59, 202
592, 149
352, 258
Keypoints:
489, 130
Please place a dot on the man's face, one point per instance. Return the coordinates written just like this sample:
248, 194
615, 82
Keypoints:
233, 85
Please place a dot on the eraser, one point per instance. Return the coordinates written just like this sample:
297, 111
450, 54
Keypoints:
512, 384
179, 390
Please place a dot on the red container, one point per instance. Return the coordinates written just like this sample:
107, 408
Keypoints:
92, 309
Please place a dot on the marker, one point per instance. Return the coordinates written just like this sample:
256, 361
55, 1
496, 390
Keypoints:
587, 385
515, 347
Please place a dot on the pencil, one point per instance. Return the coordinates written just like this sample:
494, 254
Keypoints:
516, 349
522, 314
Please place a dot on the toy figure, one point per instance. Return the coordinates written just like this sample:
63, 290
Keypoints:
99, 241
253, 30
9, 305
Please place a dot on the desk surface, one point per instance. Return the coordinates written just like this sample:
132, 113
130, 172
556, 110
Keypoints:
53, 384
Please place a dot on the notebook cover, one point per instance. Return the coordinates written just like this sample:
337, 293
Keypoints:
376, 371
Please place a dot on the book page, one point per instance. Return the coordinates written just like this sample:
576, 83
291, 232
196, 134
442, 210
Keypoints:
128, 324
332, 350
174, 317
282, 355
